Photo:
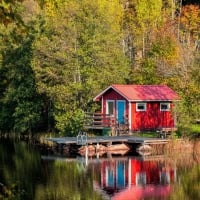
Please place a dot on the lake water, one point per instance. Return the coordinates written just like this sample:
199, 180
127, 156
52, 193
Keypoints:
30, 172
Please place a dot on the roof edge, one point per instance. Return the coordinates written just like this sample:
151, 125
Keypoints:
104, 91
157, 100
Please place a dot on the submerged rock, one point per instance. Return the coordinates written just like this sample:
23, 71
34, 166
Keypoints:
113, 149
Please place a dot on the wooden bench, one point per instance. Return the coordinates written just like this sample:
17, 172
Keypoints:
166, 132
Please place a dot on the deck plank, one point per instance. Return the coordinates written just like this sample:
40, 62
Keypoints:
110, 139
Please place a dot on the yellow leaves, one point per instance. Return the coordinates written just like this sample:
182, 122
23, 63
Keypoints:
52, 6
165, 48
148, 12
112, 9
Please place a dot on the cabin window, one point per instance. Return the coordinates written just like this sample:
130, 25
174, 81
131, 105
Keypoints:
141, 178
110, 107
164, 106
164, 177
141, 106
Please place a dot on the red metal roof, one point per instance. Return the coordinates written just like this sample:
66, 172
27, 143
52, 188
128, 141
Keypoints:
142, 92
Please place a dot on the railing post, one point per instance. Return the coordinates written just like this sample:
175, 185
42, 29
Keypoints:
81, 138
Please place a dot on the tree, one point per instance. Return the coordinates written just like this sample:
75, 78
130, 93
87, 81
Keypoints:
77, 55
190, 24
9, 12
140, 19
20, 103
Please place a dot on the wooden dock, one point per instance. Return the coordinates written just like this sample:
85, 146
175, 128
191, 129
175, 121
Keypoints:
84, 140
109, 144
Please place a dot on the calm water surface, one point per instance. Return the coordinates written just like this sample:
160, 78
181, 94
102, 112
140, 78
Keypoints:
28, 172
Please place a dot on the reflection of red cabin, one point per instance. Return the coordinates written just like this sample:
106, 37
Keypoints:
144, 107
121, 173
150, 172
114, 174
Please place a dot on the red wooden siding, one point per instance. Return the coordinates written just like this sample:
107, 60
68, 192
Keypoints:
151, 169
112, 95
152, 118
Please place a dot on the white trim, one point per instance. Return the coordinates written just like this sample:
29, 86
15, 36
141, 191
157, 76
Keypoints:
143, 104
117, 101
157, 100
95, 98
129, 173
165, 103
129, 114
102, 102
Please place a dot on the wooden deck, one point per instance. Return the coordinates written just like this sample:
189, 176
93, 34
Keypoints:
102, 121
98, 121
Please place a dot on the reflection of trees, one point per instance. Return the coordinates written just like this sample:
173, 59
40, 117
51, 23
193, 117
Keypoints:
19, 168
66, 181
188, 173
196, 151
189, 187
24, 177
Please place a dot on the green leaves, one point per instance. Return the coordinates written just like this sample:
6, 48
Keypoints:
78, 53
59, 54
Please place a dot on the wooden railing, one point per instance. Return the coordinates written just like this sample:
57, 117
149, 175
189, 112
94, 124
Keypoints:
102, 121
99, 121
166, 132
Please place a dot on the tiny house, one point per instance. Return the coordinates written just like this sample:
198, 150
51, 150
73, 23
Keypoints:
143, 107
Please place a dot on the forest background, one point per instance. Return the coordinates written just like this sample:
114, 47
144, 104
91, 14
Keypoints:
57, 55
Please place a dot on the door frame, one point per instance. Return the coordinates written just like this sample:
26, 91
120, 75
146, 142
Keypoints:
118, 101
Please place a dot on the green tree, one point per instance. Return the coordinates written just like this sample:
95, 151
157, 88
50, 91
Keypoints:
20, 103
79, 53
141, 18
9, 12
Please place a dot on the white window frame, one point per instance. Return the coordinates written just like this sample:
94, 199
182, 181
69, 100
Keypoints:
141, 104
141, 178
164, 177
108, 101
166, 104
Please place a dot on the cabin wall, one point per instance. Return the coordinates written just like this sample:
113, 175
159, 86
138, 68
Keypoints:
112, 95
152, 118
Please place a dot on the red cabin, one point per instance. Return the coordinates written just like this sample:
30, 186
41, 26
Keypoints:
144, 107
